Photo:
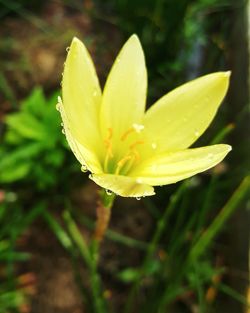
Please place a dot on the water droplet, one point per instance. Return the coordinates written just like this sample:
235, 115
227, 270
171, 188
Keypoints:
58, 107
67, 49
62, 124
211, 156
196, 133
154, 145
138, 127
109, 192
138, 198
63, 131
84, 168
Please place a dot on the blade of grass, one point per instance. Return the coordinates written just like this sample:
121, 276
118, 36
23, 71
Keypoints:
207, 237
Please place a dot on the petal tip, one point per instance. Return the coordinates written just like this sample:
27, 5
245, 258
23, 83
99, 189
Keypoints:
227, 74
229, 148
75, 40
134, 39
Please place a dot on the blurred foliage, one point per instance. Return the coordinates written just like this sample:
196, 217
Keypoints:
14, 220
33, 149
173, 35
181, 265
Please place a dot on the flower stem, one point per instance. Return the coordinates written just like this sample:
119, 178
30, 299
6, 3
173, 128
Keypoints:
103, 213
103, 216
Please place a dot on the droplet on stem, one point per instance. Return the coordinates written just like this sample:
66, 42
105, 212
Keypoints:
109, 192
84, 168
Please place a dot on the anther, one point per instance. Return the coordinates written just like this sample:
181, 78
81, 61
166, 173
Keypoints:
121, 163
138, 142
108, 144
127, 132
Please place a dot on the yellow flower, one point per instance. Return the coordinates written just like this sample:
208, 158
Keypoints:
128, 150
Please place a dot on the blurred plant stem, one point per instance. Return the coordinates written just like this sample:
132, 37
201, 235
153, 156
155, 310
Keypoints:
203, 243
208, 236
103, 213
160, 227
90, 253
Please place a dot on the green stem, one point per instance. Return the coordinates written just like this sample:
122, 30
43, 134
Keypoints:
103, 215
99, 303
90, 256
207, 238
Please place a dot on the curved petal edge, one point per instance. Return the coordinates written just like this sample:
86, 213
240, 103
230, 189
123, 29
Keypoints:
123, 186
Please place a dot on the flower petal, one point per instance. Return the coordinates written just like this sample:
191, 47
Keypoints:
124, 95
82, 96
122, 185
171, 167
84, 155
180, 117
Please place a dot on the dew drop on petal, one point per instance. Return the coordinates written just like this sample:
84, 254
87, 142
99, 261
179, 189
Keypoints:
63, 131
211, 156
196, 133
108, 192
138, 198
154, 145
58, 106
138, 127
67, 49
84, 168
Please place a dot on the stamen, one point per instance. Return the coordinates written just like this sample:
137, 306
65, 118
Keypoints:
121, 163
108, 144
136, 155
138, 142
127, 132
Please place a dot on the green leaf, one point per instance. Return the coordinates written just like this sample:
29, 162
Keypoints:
128, 275
26, 125
35, 103
11, 174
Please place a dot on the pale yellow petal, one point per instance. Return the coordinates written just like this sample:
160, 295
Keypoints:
180, 117
124, 95
82, 97
122, 185
171, 167
87, 158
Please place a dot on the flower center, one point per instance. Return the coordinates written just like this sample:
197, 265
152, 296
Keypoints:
129, 139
